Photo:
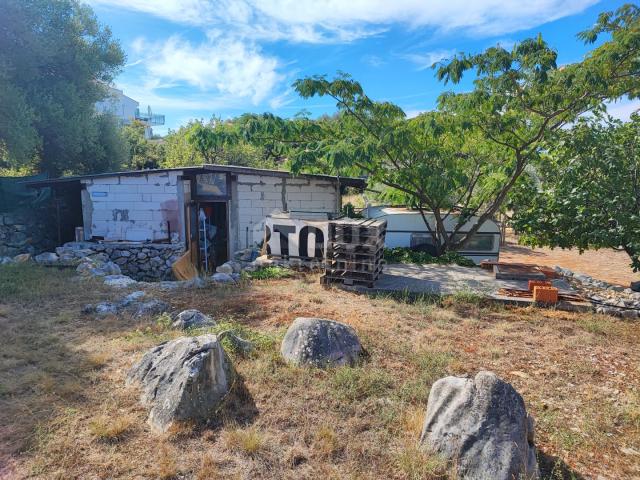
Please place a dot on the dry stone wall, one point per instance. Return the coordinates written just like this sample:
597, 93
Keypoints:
24, 232
140, 261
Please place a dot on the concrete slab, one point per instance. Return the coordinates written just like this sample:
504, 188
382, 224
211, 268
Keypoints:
445, 280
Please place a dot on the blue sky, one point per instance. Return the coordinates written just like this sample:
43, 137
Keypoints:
197, 58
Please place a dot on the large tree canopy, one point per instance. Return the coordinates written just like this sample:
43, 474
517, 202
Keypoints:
466, 156
588, 193
54, 62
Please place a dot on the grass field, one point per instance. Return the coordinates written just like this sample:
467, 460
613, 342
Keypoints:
65, 412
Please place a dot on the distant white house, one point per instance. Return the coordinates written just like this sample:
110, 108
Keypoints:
126, 109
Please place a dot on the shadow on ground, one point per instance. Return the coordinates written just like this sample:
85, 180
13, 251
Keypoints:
553, 468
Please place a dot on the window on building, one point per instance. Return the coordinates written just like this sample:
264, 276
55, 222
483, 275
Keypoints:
211, 185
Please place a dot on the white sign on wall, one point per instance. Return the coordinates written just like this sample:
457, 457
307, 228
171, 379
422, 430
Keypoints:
296, 238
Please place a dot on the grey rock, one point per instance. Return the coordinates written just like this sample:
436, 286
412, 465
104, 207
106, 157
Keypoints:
320, 343
629, 314
481, 425
183, 380
22, 258
46, 258
106, 308
150, 307
616, 288
225, 268
192, 318
222, 278
582, 278
635, 286
132, 298
6, 260
118, 281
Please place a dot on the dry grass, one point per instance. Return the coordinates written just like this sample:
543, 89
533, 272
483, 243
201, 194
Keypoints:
110, 429
65, 412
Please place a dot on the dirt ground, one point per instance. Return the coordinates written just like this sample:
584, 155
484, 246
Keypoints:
605, 264
65, 411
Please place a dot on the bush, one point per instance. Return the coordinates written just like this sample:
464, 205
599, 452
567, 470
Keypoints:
406, 255
272, 272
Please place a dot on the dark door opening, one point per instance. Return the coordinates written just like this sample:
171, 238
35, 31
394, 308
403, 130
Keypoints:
213, 235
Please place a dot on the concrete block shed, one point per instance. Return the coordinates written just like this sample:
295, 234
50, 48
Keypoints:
165, 205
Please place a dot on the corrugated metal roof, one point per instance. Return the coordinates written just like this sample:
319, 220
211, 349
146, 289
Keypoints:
233, 169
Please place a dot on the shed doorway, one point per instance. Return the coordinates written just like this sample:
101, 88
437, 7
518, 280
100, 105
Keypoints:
213, 235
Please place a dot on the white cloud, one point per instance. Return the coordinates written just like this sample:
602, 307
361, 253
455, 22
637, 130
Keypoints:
227, 66
317, 21
223, 71
426, 60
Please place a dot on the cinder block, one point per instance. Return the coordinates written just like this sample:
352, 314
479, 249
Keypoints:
117, 189
273, 195
101, 215
297, 181
106, 181
156, 187
171, 189
134, 180
250, 196
163, 197
243, 188
141, 215
293, 205
294, 189
322, 196
126, 197
299, 196
248, 179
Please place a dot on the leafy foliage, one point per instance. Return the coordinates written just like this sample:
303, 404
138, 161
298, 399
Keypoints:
406, 255
462, 160
55, 59
590, 191
271, 272
143, 153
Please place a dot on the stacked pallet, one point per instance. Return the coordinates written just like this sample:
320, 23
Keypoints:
354, 251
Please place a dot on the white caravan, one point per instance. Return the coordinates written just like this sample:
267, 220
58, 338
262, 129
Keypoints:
406, 228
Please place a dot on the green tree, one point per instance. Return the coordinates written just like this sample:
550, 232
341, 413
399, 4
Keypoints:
143, 153
469, 154
589, 191
222, 142
55, 60
179, 152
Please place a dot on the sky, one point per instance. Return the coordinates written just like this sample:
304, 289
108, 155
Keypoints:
194, 59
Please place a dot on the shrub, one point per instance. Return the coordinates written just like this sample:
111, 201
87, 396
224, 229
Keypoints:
354, 384
406, 255
272, 272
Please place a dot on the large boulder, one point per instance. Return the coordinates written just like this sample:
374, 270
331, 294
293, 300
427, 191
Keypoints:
320, 343
118, 281
192, 318
183, 380
481, 425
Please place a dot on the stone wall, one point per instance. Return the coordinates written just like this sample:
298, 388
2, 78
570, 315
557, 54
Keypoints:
140, 261
25, 232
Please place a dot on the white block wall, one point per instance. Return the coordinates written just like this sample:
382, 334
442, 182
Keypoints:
257, 196
133, 207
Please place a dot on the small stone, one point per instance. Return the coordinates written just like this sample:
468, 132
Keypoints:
151, 307
106, 308
132, 298
46, 258
192, 318
225, 268
22, 258
222, 278
118, 281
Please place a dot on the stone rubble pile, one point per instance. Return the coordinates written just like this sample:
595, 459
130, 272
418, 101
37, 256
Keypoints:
606, 298
138, 303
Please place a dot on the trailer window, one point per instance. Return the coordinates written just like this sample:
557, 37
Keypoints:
477, 243
421, 239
